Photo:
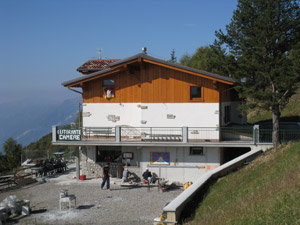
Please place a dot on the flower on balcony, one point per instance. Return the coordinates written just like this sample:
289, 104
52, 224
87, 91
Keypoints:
109, 92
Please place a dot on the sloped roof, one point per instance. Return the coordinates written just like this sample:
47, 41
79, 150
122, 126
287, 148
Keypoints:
111, 67
95, 65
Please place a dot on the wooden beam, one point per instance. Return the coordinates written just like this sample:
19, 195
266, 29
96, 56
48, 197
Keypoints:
215, 84
75, 90
121, 65
187, 71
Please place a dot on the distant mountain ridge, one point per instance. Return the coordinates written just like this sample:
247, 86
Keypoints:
27, 122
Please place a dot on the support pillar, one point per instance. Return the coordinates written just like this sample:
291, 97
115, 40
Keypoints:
256, 134
77, 161
54, 133
184, 134
118, 134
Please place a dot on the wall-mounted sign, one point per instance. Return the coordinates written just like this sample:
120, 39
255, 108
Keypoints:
160, 158
109, 92
68, 135
127, 155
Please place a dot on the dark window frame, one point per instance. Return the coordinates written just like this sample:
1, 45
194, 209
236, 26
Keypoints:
195, 97
197, 151
109, 154
108, 84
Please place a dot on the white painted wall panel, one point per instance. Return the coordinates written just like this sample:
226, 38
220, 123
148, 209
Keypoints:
183, 166
129, 114
186, 114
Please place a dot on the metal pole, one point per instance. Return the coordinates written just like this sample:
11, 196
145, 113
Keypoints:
78, 162
79, 119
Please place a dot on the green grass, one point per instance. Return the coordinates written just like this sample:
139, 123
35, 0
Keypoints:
267, 191
291, 109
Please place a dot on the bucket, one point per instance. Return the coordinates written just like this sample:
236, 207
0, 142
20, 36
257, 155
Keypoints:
82, 177
162, 190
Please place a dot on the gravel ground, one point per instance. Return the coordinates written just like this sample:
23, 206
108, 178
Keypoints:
121, 205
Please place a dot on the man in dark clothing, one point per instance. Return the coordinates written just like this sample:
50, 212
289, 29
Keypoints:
147, 174
105, 176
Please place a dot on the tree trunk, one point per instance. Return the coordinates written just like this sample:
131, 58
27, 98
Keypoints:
275, 133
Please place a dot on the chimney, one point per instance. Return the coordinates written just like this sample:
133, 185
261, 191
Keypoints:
144, 49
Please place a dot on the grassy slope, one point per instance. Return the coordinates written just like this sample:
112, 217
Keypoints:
291, 109
267, 191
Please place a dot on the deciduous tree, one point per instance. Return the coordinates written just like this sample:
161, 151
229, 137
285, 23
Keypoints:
209, 58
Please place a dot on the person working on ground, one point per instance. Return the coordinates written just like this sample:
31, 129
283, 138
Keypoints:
105, 176
147, 174
125, 175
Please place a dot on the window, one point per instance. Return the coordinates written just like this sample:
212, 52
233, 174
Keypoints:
195, 93
109, 89
196, 151
108, 154
108, 82
227, 117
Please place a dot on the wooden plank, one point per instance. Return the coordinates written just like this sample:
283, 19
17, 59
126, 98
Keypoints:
154, 84
189, 72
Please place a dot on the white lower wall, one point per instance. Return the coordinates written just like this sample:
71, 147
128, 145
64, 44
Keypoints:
183, 166
155, 115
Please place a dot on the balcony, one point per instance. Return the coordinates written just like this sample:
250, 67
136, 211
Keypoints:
126, 134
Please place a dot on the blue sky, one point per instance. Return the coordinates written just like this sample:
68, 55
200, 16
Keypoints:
43, 42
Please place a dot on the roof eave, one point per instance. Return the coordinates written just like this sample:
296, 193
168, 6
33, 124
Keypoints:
115, 65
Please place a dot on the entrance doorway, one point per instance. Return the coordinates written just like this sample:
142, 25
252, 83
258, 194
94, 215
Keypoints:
228, 154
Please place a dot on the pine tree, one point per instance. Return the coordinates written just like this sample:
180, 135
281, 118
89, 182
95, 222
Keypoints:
173, 57
263, 37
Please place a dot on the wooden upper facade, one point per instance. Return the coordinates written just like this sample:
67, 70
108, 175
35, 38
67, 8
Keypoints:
145, 79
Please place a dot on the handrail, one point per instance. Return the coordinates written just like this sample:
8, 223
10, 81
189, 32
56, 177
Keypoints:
180, 134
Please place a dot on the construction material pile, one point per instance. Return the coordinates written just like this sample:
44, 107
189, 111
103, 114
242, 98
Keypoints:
11, 207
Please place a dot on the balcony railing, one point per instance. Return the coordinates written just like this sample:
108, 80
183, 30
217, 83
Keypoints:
171, 134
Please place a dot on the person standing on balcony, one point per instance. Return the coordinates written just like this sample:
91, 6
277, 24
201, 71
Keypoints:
105, 176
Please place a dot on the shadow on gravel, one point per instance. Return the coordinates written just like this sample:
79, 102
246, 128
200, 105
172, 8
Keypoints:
67, 172
17, 219
38, 211
85, 206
